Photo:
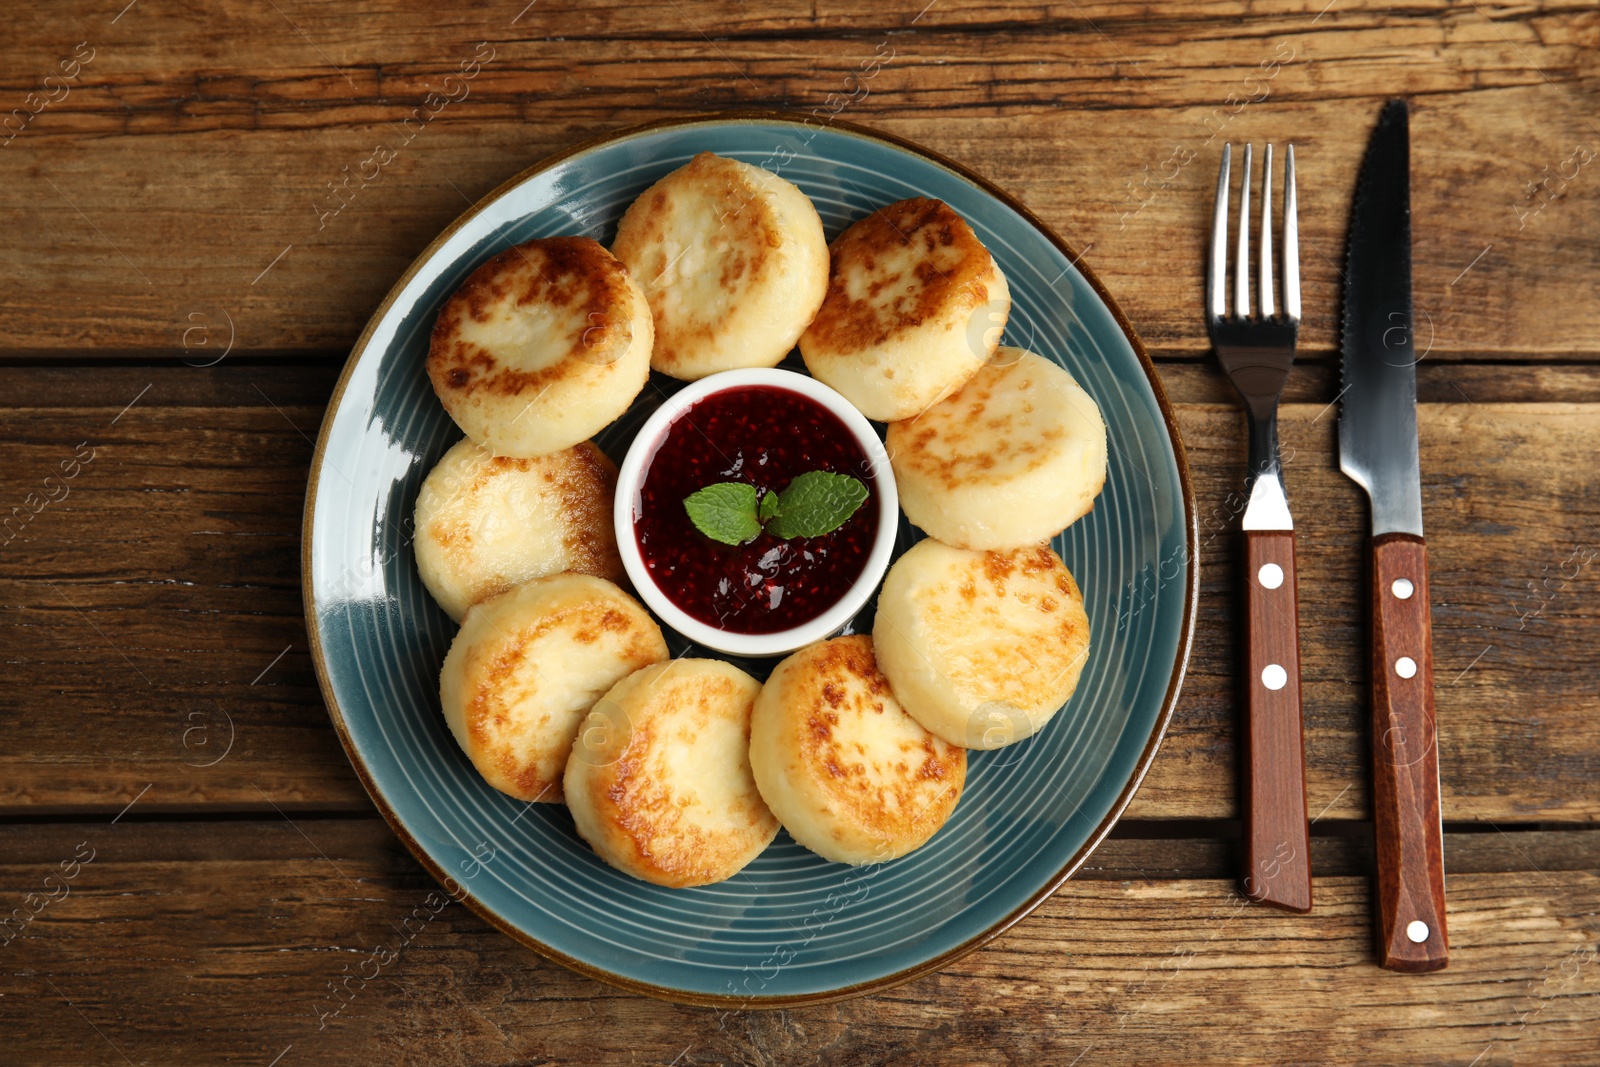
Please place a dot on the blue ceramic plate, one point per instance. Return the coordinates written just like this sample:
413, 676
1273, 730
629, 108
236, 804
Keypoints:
791, 928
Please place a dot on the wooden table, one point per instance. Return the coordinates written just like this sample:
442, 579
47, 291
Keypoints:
186, 266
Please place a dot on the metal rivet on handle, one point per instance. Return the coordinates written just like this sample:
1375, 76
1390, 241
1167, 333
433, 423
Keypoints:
1270, 575
1403, 588
1274, 677
1417, 931
1405, 667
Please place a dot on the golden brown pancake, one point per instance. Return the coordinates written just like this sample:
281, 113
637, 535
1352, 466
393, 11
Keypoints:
485, 523
915, 306
1014, 457
733, 261
659, 779
850, 775
526, 668
982, 648
541, 347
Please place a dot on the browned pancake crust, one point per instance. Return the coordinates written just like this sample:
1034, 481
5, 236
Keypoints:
487, 715
587, 486
928, 775
585, 480
563, 272
635, 796
1015, 674
848, 325
747, 236
975, 443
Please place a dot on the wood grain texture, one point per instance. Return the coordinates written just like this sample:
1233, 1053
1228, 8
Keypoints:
152, 598
1277, 855
1487, 470
1105, 120
1405, 761
187, 943
170, 202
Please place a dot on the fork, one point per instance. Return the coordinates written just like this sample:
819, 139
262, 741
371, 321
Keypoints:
1257, 352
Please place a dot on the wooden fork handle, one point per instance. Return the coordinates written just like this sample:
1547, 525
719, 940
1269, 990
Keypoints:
1411, 913
1277, 837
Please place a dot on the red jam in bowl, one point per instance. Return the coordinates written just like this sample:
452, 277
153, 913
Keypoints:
765, 436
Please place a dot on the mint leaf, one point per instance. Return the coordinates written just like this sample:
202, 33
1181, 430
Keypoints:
814, 504
725, 512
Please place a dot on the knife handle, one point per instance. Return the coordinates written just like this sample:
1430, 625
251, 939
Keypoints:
1277, 844
1411, 914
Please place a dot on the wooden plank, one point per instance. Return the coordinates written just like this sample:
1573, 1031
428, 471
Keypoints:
1512, 536
394, 30
153, 597
206, 943
155, 608
1108, 129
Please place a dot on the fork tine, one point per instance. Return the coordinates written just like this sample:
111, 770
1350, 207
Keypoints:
1291, 241
1241, 267
1264, 270
1217, 283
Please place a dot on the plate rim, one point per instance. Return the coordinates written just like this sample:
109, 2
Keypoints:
1000, 925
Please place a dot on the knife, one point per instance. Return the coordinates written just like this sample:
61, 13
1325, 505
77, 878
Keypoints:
1378, 450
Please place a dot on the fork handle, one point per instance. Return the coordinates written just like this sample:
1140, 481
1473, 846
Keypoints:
1405, 764
1277, 836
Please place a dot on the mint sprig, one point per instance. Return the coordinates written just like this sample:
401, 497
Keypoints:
812, 505
725, 512
815, 504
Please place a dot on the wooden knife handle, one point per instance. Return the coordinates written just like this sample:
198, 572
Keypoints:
1277, 844
1411, 915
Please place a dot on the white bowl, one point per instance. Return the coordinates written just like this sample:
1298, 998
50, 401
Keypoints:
779, 642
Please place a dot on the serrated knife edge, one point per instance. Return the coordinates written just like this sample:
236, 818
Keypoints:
1377, 371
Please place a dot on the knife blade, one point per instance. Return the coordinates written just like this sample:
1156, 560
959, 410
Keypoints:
1378, 450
